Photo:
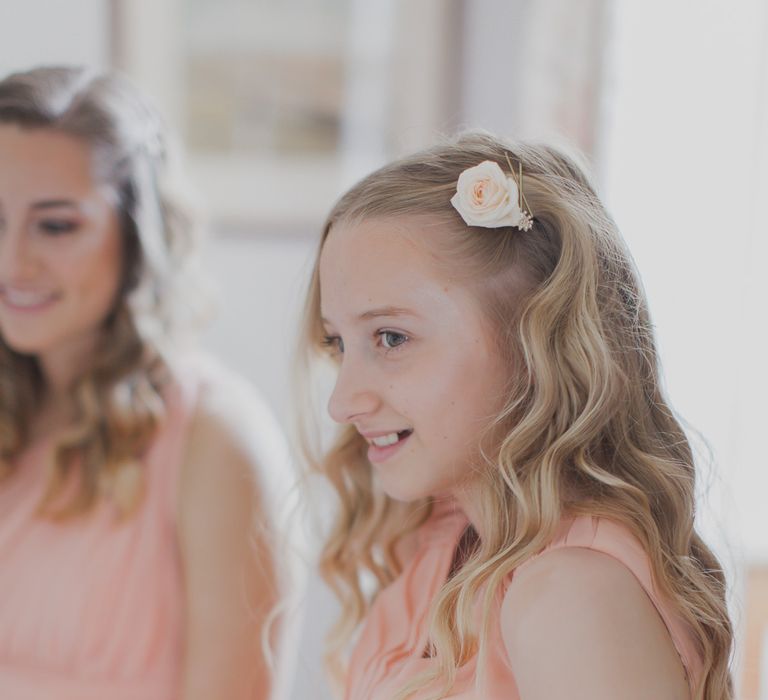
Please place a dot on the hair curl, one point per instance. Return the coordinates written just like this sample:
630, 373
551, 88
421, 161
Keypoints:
586, 428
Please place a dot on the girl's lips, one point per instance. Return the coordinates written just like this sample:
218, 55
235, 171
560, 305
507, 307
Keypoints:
381, 454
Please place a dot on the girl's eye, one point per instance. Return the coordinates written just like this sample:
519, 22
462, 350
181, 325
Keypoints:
334, 343
392, 339
56, 227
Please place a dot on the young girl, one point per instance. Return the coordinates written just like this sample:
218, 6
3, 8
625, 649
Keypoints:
136, 559
511, 479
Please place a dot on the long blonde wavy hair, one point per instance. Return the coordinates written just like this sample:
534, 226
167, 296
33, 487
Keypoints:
586, 428
119, 398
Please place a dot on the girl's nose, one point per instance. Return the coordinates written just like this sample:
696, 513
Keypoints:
354, 394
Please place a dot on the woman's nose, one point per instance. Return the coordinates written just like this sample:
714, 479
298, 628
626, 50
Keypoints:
15, 254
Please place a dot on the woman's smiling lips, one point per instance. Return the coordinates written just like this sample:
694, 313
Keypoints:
24, 300
383, 444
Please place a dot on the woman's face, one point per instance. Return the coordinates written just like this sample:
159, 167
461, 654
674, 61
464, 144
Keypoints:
60, 243
418, 374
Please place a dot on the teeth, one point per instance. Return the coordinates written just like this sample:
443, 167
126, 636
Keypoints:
385, 440
18, 297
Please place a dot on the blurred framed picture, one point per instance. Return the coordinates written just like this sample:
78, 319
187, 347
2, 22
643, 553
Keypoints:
282, 103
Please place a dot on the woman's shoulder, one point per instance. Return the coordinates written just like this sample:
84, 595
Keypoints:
218, 388
234, 464
228, 412
231, 438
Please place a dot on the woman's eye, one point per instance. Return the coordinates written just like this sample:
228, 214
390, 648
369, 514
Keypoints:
55, 227
334, 343
391, 339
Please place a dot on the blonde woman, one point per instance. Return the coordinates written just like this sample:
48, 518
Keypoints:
135, 548
515, 495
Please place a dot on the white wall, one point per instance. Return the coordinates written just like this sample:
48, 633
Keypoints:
260, 281
53, 31
686, 177
681, 166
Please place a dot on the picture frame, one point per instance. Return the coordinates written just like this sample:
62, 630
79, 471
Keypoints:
306, 97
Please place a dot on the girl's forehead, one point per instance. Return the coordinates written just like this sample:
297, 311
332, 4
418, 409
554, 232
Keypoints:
371, 250
383, 263
404, 241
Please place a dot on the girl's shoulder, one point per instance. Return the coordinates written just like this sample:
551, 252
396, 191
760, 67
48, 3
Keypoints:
590, 590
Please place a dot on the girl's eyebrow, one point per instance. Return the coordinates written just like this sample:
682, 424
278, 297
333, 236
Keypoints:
383, 311
386, 311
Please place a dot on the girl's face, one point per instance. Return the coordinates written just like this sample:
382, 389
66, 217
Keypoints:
60, 243
418, 374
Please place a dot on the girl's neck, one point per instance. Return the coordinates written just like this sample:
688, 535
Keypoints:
468, 499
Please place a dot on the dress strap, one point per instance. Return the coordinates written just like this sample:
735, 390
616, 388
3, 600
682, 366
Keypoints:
166, 455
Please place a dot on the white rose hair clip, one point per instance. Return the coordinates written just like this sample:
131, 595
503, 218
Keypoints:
487, 196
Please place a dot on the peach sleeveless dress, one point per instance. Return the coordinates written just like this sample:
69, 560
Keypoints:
389, 651
91, 609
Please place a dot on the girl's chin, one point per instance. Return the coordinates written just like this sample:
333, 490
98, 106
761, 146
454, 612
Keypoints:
403, 492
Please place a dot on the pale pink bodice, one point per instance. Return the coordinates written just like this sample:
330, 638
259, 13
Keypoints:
390, 649
91, 608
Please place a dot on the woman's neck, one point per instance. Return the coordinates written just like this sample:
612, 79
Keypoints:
60, 370
62, 366
56, 413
